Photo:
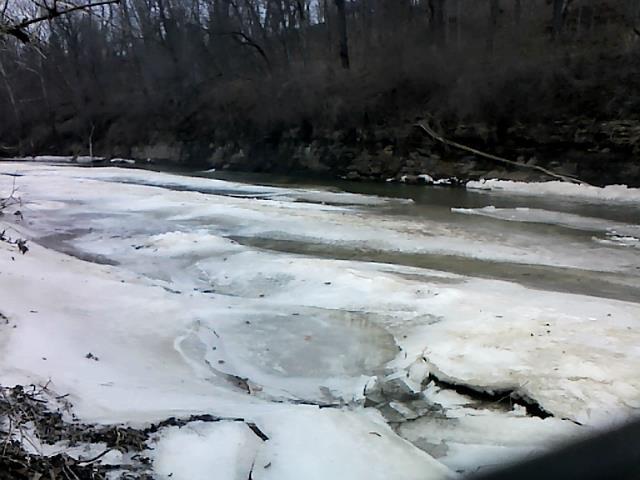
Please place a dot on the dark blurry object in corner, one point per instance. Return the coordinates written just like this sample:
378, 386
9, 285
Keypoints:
611, 455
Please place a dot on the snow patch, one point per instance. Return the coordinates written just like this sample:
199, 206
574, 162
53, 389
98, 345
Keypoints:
610, 193
202, 451
55, 159
619, 241
426, 178
122, 161
319, 445
473, 439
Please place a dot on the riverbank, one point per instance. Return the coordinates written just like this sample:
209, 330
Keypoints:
598, 153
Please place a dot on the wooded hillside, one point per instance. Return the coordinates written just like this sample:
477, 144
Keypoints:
210, 74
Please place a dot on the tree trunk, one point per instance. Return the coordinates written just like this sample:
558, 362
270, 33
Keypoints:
342, 33
130, 47
459, 23
45, 94
93, 127
437, 21
494, 11
367, 25
558, 18
14, 105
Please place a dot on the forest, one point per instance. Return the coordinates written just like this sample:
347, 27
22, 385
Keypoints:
326, 85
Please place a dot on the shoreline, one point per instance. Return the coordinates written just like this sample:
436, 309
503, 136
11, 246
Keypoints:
596, 152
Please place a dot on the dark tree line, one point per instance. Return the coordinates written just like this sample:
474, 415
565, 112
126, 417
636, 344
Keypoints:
68, 68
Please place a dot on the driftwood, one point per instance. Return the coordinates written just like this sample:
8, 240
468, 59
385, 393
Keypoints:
441, 139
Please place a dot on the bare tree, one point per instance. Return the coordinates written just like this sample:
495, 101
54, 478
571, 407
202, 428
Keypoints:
494, 11
342, 34
20, 29
12, 98
437, 8
560, 8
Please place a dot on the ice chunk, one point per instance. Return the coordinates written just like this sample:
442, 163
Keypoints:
201, 451
122, 161
610, 193
323, 444
479, 439
574, 355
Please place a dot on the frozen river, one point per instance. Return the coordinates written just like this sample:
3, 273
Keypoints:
479, 325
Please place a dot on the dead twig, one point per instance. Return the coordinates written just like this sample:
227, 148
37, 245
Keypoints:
95, 459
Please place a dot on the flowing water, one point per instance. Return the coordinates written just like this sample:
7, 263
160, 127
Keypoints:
435, 204
598, 266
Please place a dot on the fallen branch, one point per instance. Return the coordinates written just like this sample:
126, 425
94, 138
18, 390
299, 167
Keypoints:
11, 199
441, 139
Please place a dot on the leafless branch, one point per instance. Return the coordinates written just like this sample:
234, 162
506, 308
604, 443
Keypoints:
18, 30
245, 39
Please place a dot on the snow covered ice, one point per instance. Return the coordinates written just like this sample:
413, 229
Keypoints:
610, 193
171, 282
615, 233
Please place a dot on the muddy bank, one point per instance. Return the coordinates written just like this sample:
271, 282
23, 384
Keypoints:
598, 152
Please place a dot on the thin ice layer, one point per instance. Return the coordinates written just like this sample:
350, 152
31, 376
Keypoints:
569, 220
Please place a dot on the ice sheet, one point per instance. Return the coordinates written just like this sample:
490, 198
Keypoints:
191, 321
319, 445
609, 193
479, 439
55, 159
569, 220
576, 356
201, 451
615, 233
